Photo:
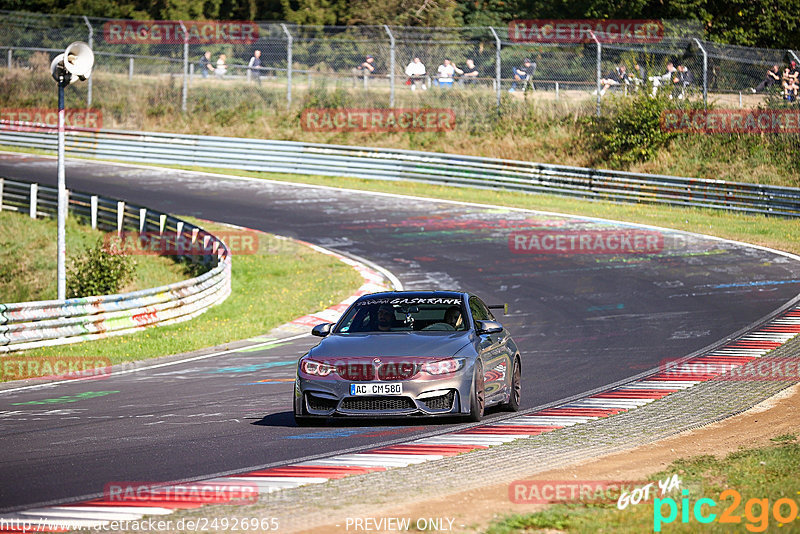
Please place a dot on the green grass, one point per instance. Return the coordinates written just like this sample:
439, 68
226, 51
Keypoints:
765, 473
282, 281
28, 262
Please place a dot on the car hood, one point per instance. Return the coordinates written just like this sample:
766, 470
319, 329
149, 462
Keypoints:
388, 344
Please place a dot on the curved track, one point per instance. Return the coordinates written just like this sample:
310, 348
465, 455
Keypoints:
582, 320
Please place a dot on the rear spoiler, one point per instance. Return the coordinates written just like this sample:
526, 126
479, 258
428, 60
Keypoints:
503, 307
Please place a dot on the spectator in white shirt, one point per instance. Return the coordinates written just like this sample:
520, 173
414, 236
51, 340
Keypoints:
416, 74
446, 72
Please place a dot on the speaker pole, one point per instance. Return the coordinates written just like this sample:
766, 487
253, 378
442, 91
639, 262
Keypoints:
63, 81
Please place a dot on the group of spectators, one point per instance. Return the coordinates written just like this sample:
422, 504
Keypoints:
788, 81
418, 74
220, 68
679, 78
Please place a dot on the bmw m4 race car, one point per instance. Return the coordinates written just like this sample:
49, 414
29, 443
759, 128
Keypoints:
409, 353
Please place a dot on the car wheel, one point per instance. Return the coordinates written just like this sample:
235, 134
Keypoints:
477, 398
516, 388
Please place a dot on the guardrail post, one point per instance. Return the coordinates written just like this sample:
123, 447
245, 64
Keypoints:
120, 216
34, 200
93, 203
91, 45
185, 66
288, 66
1, 194
705, 73
391, 65
162, 222
130, 68
497, 65
142, 219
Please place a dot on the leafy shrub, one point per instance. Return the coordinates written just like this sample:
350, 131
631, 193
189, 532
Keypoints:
99, 270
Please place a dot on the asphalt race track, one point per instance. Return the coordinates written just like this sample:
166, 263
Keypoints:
583, 320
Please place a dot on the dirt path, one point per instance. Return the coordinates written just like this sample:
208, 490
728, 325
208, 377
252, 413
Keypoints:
473, 510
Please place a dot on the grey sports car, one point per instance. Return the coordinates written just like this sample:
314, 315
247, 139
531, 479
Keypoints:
409, 353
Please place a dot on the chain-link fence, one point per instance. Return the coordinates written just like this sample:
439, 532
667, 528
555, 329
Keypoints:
366, 67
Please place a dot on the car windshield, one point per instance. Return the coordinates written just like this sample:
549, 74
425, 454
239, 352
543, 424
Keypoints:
405, 315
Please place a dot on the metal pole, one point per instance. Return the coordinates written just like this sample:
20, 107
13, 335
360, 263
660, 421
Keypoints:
10, 56
391, 65
130, 68
599, 74
498, 68
288, 66
63, 81
185, 66
791, 52
705, 73
91, 45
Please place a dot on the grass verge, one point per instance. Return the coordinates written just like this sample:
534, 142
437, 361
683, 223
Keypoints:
28, 262
764, 481
280, 282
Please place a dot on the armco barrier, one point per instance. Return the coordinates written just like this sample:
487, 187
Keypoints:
391, 164
45, 323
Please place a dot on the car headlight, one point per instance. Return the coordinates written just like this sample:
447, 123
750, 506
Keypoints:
311, 367
443, 367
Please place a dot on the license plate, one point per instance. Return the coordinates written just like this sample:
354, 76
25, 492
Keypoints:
376, 389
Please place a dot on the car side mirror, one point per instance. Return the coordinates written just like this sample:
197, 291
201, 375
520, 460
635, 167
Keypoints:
322, 330
488, 327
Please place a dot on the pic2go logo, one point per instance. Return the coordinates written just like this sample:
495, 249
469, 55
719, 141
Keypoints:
756, 511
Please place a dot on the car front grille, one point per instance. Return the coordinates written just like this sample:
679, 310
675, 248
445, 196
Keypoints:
321, 404
377, 404
442, 402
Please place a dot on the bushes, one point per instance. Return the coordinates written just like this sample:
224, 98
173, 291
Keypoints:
100, 270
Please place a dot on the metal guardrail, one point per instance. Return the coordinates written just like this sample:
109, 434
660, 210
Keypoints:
29, 325
427, 167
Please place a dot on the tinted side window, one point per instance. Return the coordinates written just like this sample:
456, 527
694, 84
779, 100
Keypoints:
479, 310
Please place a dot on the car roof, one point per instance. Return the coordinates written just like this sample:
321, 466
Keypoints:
413, 294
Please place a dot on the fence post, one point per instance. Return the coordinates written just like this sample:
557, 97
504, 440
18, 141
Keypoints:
10, 57
391, 66
791, 52
498, 68
556, 90
91, 45
598, 73
705, 73
288, 66
185, 66
34, 200
130, 68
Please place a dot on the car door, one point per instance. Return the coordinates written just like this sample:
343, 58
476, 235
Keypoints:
494, 354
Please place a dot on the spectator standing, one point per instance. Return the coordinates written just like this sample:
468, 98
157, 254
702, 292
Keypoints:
524, 73
446, 71
254, 67
772, 77
416, 74
222, 67
790, 83
470, 73
682, 80
205, 64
